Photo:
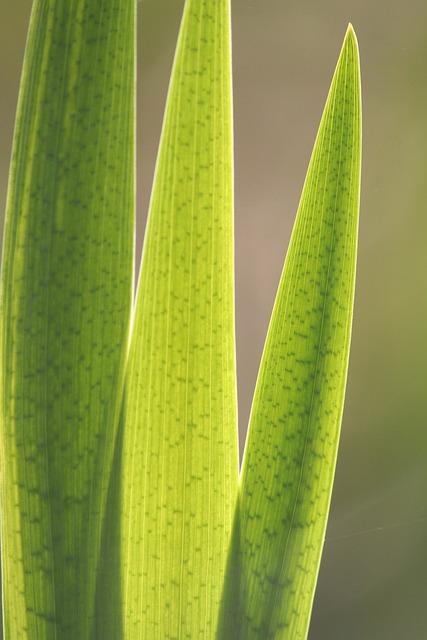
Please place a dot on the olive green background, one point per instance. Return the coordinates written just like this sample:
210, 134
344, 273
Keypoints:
373, 579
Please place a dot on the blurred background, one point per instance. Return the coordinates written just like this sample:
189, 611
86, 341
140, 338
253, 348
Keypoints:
373, 579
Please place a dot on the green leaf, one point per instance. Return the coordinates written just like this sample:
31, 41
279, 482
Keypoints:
66, 301
180, 443
294, 428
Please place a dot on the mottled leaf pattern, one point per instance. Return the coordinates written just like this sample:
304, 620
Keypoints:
66, 304
122, 516
180, 441
289, 460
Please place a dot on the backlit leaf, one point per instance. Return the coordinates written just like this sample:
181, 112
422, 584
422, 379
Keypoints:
180, 461
66, 301
294, 428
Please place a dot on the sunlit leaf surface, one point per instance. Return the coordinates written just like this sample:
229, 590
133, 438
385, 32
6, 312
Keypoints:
66, 301
180, 460
294, 428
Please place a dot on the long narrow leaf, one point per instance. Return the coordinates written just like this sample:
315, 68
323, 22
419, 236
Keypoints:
290, 456
66, 301
180, 445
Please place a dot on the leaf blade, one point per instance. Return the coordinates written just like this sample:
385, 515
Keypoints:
290, 455
180, 450
66, 301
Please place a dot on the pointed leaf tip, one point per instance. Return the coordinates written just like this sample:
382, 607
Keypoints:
350, 36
